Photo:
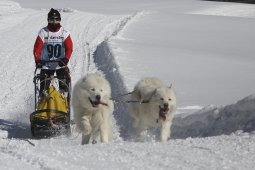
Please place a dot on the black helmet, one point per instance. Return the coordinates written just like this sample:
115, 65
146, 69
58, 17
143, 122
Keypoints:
54, 14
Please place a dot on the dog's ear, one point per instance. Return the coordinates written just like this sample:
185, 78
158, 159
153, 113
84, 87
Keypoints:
154, 92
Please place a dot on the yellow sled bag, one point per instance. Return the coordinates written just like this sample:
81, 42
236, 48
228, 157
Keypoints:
53, 100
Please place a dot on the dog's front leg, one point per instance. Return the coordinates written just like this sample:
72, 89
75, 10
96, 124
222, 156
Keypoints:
165, 131
141, 132
86, 127
104, 133
85, 139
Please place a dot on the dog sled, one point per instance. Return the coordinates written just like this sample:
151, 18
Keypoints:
52, 110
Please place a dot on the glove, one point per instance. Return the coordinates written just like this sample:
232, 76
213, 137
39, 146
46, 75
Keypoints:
38, 64
63, 62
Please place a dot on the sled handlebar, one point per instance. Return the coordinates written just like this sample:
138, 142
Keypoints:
64, 66
60, 61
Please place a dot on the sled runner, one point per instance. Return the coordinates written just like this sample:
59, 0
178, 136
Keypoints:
52, 109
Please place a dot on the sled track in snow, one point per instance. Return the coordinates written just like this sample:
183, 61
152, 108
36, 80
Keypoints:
106, 63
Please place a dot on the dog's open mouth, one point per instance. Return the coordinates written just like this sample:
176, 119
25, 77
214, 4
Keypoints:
97, 103
162, 112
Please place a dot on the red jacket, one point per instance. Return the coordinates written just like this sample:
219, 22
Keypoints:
39, 45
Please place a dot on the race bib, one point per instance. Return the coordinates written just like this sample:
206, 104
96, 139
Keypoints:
55, 51
53, 47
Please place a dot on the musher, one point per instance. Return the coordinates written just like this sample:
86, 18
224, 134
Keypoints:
52, 51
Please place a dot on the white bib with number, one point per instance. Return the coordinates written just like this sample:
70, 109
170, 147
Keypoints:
53, 44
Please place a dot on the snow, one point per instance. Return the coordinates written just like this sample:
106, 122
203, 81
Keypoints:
205, 49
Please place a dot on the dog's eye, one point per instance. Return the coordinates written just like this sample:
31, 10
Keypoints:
169, 99
161, 99
101, 90
92, 89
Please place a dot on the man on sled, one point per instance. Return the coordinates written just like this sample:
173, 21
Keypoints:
52, 51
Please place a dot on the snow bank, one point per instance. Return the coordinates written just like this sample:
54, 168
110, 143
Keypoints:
212, 120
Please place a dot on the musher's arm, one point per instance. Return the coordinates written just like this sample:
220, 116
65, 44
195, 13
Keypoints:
68, 48
38, 49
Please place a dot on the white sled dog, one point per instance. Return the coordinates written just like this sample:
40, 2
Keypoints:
93, 108
156, 107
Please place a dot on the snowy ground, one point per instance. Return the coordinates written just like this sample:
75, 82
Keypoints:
203, 46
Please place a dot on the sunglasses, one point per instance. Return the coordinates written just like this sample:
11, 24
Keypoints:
54, 20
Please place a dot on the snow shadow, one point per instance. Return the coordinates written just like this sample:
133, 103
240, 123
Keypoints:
105, 62
15, 130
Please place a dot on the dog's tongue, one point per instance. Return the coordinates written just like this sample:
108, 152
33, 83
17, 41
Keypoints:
163, 112
96, 102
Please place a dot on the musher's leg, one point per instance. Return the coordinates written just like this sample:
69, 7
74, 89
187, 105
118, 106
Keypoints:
63, 75
44, 84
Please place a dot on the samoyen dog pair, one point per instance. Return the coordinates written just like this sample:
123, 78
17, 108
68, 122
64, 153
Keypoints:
93, 107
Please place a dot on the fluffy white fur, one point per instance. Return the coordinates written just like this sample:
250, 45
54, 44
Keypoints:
158, 109
93, 108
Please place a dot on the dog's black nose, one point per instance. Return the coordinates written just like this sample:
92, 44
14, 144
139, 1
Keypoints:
166, 105
98, 97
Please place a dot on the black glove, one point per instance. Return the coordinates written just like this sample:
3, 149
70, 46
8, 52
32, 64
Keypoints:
38, 64
63, 62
